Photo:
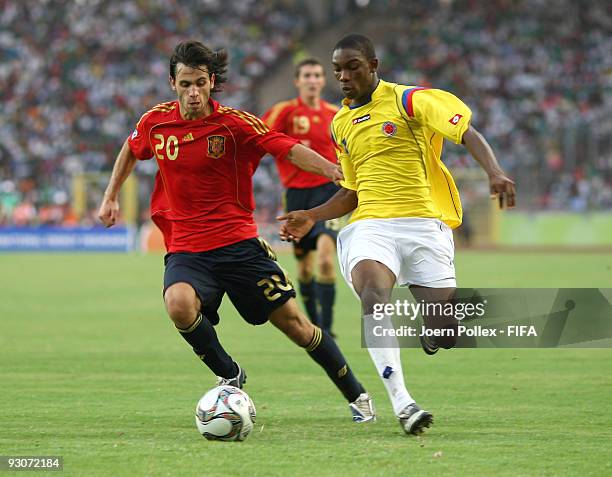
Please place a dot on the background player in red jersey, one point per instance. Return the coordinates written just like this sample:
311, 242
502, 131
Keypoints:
308, 118
203, 203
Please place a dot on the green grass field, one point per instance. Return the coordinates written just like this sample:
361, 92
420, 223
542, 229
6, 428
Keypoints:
92, 369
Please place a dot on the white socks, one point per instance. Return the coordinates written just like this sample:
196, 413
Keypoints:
385, 353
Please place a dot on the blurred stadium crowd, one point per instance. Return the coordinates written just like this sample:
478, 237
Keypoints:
538, 76
76, 75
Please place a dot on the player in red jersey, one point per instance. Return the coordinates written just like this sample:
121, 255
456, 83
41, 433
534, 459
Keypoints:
203, 203
308, 119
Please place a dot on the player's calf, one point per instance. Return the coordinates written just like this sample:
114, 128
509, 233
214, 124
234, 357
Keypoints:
445, 330
183, 307
434, 310
308, 286
326, 288
292, 323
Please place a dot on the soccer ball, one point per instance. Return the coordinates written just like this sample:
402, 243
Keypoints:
225, 413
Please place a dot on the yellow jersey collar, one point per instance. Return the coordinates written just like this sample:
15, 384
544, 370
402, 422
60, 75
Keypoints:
375, 94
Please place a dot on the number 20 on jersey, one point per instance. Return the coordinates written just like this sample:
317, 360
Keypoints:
170, 147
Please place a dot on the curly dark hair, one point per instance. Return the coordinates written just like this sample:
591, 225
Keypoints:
194, 53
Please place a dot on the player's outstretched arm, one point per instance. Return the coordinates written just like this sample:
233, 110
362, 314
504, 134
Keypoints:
124, 164
501, 186
310, 161
299, 222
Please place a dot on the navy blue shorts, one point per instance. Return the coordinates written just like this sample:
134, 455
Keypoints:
247, 271
304, 199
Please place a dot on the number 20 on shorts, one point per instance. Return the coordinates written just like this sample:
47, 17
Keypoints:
273, 284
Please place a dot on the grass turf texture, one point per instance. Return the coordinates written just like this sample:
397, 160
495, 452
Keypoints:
92, 369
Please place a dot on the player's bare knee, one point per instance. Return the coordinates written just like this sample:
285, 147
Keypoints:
305, 271
327, 269
371, 297
305, 277
181, 304
373, 282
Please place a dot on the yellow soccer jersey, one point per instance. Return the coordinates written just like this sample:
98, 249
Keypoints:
390, 148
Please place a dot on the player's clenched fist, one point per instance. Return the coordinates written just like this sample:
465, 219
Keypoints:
109, 212
297, 224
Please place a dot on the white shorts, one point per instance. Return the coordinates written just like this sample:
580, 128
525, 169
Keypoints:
419, 251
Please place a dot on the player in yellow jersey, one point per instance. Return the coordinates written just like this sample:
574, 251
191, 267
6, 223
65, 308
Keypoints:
389, 141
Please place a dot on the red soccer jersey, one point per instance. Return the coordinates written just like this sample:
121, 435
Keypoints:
312, 128
203, 194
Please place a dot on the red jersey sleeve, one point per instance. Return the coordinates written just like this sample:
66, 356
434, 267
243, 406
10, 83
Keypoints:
258, 134
139, 139
275, 143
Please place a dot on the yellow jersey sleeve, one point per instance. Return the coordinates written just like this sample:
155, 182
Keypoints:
439, 111
348, 169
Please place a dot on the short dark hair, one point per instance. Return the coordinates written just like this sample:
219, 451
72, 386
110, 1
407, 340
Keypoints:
357, 42
304, 62
194, 53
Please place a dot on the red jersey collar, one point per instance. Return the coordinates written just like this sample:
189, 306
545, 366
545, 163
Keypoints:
214, 104
302, 103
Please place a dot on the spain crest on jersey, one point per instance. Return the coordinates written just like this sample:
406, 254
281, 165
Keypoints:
216, 146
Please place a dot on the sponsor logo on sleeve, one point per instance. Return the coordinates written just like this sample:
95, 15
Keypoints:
134, 134
455, 119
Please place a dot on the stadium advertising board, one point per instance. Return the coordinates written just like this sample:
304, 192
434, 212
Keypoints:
66, 239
